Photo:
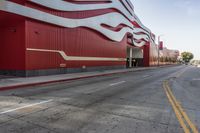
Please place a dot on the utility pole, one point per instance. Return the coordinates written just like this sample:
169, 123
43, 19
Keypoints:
159, 49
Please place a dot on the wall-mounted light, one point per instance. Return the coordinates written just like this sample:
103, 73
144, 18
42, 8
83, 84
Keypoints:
36, 32
63, 65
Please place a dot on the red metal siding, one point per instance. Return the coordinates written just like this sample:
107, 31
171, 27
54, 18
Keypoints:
79, 42
74, 42
146, 57
12, 38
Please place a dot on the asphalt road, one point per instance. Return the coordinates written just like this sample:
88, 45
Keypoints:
133, 102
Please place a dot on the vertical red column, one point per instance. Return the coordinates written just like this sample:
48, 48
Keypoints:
146, 56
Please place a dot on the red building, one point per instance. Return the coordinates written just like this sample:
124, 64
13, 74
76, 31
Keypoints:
40, 37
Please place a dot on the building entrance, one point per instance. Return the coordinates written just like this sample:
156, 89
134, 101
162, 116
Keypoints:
129, 55
134, 57
138, 57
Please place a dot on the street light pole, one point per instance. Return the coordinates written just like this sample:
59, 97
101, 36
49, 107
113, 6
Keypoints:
159, 49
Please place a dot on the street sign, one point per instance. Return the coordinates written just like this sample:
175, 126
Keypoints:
161, 45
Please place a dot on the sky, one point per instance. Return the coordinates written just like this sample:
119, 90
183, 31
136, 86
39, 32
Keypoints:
177, 21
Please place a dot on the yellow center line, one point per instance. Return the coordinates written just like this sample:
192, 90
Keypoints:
181, 115
182, 111
178, 114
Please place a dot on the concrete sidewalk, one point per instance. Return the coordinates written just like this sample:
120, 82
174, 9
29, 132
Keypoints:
12, 83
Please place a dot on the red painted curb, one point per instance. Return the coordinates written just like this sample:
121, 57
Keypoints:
56, 81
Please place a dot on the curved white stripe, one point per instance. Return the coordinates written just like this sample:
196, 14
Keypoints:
148, 32
93, 22
76, 58
145, 28
130, 4
139, 30
67, 6
140, 37
93, 0
142, 43
140, 23
128, 7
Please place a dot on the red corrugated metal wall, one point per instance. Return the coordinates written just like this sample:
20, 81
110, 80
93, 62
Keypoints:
73, 41
12, 38
81, 41
146, 56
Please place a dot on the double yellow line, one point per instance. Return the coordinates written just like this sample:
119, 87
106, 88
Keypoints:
187, 125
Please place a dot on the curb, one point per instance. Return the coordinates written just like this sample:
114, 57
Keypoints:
70, 79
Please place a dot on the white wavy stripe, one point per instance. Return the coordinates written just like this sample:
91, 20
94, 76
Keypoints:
130, 3
76, 58
93, 0
68, 6
140, 44
139, 30
148, 32
128, 7
141, 24
144, 28
140, 37
92, 23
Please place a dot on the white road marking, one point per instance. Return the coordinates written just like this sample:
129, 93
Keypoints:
113, 84
145, 76
196, 79
27, 106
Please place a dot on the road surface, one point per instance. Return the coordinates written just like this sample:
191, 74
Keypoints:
134, 102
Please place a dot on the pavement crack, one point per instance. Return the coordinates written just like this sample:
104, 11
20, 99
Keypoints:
131, 117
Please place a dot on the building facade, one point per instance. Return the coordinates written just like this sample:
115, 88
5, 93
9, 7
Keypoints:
40, 37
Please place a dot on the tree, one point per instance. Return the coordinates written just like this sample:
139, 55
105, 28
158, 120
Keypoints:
187, 56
